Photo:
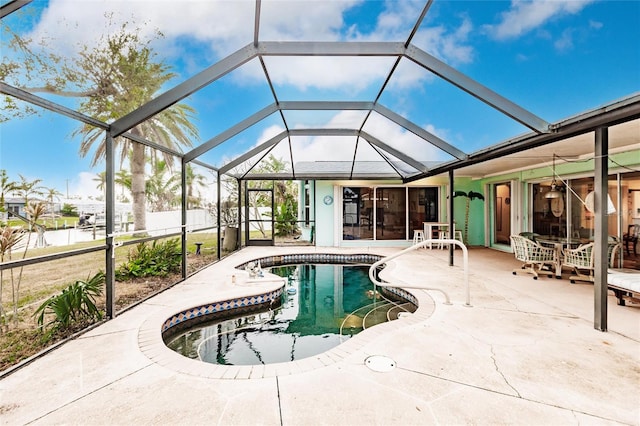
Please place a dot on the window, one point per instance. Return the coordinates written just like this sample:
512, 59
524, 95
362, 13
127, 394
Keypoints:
391, 213
357, 213
307, 203
387, 210
567, 216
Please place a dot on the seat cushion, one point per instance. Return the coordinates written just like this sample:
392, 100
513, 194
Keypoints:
624, 280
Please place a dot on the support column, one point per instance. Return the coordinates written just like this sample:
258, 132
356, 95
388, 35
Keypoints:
601, 233
185, 204
239, 231
218, 212
110, 210
451, 231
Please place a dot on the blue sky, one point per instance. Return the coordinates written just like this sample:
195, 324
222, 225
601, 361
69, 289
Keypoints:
554, 58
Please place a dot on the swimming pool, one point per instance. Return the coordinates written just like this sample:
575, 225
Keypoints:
321, 306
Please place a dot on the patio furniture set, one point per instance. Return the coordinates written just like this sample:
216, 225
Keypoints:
436, 230
549, 257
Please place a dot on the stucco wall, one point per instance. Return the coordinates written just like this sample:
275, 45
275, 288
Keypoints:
325, 214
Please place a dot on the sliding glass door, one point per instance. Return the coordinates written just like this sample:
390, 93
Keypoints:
386, 213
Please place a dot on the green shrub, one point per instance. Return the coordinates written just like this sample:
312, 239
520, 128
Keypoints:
159, 259
74, 305
69, 210
286, 217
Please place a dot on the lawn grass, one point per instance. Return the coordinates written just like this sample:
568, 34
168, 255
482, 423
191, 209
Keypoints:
63, 222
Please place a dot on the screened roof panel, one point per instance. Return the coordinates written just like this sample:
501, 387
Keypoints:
346, 170
327, 77
441, 105
319, 119
263, 162
323, 148
216, 111
370, 160
180, 36
404, 141
23, 148
230, 148
472, 75
336, 20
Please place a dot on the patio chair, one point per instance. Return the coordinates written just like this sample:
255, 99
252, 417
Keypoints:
533, 256
582, 260
631, 239
530, 235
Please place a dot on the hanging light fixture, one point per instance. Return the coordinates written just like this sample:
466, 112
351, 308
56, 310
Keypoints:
554, 192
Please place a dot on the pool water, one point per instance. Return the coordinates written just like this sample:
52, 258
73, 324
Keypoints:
323, 305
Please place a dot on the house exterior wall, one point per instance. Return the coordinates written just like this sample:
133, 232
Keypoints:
476, 226
622, 162
329, 216
325, 217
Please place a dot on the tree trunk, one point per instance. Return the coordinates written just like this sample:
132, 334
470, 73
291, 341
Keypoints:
138, 187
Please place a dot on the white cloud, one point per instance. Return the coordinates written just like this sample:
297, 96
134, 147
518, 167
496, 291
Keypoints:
595, 24
525, 16
221, 22
85, 186
346, 73
565, 42
225, 26
341, 148
449, 46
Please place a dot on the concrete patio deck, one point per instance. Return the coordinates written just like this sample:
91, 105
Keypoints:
525, 352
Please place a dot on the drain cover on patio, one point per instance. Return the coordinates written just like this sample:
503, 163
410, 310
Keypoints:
380, 363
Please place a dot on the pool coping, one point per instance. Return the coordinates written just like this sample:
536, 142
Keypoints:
151, 344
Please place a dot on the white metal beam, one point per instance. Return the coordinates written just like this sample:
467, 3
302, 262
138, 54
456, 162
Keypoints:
330, 48
12, 6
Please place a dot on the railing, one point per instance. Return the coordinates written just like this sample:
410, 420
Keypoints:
465, 265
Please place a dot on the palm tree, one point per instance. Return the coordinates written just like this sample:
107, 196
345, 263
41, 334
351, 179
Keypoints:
6, 186
123, 75
471, 195
101, 178
162, 190
123, 178
26, 189
51, 194
194, 180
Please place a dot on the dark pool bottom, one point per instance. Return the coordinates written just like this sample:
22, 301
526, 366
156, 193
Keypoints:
322, 306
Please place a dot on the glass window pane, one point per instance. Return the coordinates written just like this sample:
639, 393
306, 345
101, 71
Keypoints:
423, 207
391, 214
357, 213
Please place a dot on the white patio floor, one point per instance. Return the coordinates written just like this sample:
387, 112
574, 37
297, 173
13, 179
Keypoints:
525, 352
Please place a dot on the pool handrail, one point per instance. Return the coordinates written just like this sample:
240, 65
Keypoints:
465, 264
